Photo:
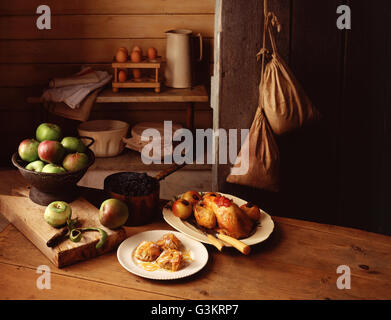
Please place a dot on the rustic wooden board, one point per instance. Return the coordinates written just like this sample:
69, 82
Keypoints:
28, 218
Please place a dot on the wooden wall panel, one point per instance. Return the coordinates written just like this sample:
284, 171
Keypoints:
80, 50
103, 26
69, 7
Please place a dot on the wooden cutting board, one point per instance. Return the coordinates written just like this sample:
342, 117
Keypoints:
28, 218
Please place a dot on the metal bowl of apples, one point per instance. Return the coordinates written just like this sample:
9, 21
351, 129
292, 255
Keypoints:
53, 165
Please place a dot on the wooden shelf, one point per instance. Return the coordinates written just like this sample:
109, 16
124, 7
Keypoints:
195, 94
144, 64
130, 160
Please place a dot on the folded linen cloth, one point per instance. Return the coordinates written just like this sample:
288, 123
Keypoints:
73, 95
86, 75
81, 114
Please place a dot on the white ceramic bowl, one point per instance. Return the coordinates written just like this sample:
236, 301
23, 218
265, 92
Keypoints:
108, 136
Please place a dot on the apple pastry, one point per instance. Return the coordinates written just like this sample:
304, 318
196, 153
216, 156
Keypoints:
169, 241
147, 251
170, 260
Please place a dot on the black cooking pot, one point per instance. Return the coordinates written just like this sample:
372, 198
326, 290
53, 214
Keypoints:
145, 207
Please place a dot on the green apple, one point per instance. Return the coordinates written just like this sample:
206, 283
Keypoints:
75, 161
36, 166
52, 168
48, 131
113, 213
57, 213
28, 150
73, 144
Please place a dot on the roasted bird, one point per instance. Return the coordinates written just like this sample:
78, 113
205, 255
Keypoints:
252, 211
231, 220
204, 215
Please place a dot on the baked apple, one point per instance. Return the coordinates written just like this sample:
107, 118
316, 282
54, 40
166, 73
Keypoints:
182, 209
192, 197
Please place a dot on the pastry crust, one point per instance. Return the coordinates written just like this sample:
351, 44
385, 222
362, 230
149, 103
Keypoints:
169, 241
147, 251
170, 260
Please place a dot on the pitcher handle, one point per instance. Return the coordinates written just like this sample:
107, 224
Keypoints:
201, 49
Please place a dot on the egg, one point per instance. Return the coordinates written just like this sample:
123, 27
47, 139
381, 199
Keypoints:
136, 73
121, 56
122, 76
138, 48
151, 53
135, 56
125, 50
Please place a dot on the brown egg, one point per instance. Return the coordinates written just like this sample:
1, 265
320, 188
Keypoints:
135, 56
121, 56
151, 53
136, 73
124, 49
122, 76
138, 48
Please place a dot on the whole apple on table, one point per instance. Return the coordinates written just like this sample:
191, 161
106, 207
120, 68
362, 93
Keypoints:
50, 153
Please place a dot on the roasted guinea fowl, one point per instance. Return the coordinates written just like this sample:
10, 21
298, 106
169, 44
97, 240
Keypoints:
231, 220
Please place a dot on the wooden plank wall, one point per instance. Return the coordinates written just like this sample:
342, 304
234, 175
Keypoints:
338, 171
88, 32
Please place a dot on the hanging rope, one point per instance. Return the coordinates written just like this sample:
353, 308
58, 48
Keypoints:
269, 19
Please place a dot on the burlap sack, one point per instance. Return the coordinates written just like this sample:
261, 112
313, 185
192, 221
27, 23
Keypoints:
282, 98
263, 160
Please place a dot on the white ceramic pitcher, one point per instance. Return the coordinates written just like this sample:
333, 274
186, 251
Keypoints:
178, 73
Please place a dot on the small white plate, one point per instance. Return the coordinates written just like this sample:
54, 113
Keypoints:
264, 228
197, 251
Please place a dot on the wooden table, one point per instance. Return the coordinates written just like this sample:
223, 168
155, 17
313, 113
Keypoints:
299, 261
189, 96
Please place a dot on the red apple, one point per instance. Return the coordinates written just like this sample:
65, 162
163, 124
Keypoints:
75, 161
113, 213
28, 150
182, 209
51, 151
192, 197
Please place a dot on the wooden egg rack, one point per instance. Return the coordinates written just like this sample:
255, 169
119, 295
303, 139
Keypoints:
143, 82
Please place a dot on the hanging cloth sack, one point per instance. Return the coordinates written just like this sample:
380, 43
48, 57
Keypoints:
260, 149
283, 100
261, 156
